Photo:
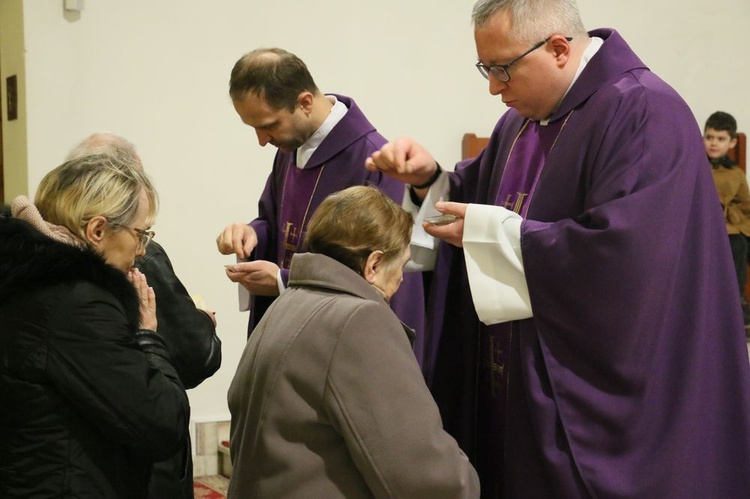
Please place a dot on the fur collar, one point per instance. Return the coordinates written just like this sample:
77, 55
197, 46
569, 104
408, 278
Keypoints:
30, 260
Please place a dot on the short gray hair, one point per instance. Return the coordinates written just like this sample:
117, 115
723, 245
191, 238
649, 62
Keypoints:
532, 20
109, 144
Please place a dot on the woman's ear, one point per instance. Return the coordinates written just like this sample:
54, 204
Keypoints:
95, 230
372, 265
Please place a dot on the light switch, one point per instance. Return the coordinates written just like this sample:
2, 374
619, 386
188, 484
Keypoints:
74, 5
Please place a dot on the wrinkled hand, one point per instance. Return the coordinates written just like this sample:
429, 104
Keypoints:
147, 299
451, 233
258, 277
403, 159
238, 238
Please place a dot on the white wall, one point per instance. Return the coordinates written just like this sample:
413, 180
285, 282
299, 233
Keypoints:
156, 71
697, 46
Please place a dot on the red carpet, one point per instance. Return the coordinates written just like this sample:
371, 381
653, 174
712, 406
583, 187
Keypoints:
206, 491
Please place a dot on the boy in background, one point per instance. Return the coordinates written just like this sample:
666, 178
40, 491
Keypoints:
719, 136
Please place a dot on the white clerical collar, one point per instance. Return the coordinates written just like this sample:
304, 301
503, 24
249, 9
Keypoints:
595, 43
306, 150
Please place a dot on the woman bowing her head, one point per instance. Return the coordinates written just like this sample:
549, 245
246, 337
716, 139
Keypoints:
90, 399
328, 399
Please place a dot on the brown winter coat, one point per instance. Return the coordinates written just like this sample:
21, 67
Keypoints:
328, 400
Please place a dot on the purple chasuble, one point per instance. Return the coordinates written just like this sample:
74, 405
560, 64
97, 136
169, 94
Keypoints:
631, 379
343, 152
524, 166
299, 189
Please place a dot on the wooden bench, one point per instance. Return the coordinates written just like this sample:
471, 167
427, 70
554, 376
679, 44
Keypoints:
739, 155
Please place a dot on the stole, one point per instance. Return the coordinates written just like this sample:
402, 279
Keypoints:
296, 200
522, 171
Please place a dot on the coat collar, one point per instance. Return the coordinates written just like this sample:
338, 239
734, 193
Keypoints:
313, 269
320, 271
30, 260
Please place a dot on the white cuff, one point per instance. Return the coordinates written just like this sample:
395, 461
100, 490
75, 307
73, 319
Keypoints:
492, 247
424, 246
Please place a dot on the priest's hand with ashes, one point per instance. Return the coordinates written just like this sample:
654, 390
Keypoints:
258, 277
404, 159
451, 232
238, 238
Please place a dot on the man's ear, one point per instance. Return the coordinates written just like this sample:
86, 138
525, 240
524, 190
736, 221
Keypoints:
305, 102
96, 229
733, 143
560, 48
372, 265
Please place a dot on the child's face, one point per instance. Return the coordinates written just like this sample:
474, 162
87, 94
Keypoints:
717, 142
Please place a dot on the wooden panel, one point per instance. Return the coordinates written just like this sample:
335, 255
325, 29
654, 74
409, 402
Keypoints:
471, 145
739, 156
739, 153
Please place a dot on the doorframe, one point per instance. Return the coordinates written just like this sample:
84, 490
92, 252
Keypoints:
2, 155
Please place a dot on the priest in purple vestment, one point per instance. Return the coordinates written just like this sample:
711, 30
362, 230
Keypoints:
584, 331
322, 141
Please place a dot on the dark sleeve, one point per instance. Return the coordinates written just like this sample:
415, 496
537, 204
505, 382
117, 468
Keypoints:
129, 392
189, 333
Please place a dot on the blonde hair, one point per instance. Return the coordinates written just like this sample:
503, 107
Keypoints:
352, 223
94, 185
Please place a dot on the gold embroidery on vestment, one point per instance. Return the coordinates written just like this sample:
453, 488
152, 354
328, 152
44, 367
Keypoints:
293, 237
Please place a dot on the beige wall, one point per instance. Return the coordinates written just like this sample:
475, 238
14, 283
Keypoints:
14, 132
157, 71
694, 45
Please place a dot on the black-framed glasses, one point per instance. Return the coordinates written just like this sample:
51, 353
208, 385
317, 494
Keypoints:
143, 236
500, 71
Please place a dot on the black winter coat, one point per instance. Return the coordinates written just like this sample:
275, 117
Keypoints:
87, 401
194, 350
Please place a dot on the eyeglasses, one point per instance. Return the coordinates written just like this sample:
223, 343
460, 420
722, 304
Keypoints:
143, 236
500, 71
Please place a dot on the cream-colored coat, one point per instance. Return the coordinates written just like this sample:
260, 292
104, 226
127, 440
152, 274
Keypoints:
328, 400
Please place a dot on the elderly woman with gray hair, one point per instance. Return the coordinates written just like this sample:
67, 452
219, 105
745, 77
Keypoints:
89, 398
328, 399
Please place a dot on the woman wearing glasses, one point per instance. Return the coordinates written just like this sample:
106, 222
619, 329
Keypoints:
89, 398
